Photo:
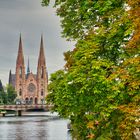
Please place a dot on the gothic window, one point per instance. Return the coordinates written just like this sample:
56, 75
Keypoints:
42, 83
42, 75
20, 84
42, 101
42, 93
27, 101
36, 101
20, 72
20, 92
31, 100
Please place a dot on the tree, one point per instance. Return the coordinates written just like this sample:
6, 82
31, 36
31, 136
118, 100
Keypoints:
86, 15
3, 97
8, 96
11, 94
1, 86
100, 83
128, 74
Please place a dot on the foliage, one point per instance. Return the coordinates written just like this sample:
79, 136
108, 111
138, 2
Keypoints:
8, 96
11, 94
3, 97
99, 90
78, 17
1, 86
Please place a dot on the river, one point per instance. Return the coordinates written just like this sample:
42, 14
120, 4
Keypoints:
33, 126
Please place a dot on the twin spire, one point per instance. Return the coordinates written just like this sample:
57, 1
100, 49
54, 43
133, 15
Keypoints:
28, 67
41, 59
20, 57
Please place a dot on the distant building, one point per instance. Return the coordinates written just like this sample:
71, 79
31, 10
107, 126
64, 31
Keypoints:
31, 88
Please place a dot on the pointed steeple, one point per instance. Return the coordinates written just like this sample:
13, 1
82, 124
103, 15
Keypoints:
10, 77
41, 59
20, 58
20, 67
41, 69
28, 67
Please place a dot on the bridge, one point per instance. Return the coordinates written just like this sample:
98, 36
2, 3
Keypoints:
20, 108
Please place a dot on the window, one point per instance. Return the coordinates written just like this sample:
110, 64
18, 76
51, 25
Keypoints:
20, 92
42, 93
31, 87
20, 83
42, 75
20, 72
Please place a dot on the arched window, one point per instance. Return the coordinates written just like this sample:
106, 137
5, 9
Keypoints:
26, 100
20, 83
36, 100
20, 92
42, 71
42, 93
20, 72
31, 100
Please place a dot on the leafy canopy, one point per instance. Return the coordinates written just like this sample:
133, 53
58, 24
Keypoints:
99, 88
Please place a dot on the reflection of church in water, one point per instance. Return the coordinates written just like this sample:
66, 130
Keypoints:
30, 87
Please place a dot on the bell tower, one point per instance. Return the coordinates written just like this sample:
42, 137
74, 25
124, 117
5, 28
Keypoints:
20, 72
42, 76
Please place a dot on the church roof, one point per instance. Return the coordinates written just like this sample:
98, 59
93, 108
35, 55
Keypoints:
34, 75
13, 79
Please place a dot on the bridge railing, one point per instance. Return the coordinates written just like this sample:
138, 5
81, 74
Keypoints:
24, 107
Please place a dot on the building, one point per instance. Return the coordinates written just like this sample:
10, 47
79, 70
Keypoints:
31, 88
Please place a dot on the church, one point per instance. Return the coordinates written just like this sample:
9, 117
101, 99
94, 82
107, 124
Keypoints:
30, 88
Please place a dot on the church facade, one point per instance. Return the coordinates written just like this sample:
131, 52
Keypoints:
30, 88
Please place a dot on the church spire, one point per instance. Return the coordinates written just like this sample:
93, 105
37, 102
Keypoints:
20, 58
10, 77
41, 59
41, 69
28, 67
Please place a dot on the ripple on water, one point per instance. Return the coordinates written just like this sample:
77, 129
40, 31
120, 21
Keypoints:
33, 128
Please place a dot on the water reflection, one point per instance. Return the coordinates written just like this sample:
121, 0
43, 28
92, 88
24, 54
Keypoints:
33, 128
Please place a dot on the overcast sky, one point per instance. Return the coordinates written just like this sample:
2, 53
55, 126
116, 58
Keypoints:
30, 19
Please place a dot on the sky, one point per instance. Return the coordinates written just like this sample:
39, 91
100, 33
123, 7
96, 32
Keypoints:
30, 19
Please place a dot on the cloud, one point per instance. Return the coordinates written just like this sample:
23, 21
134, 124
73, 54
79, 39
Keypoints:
30, 19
